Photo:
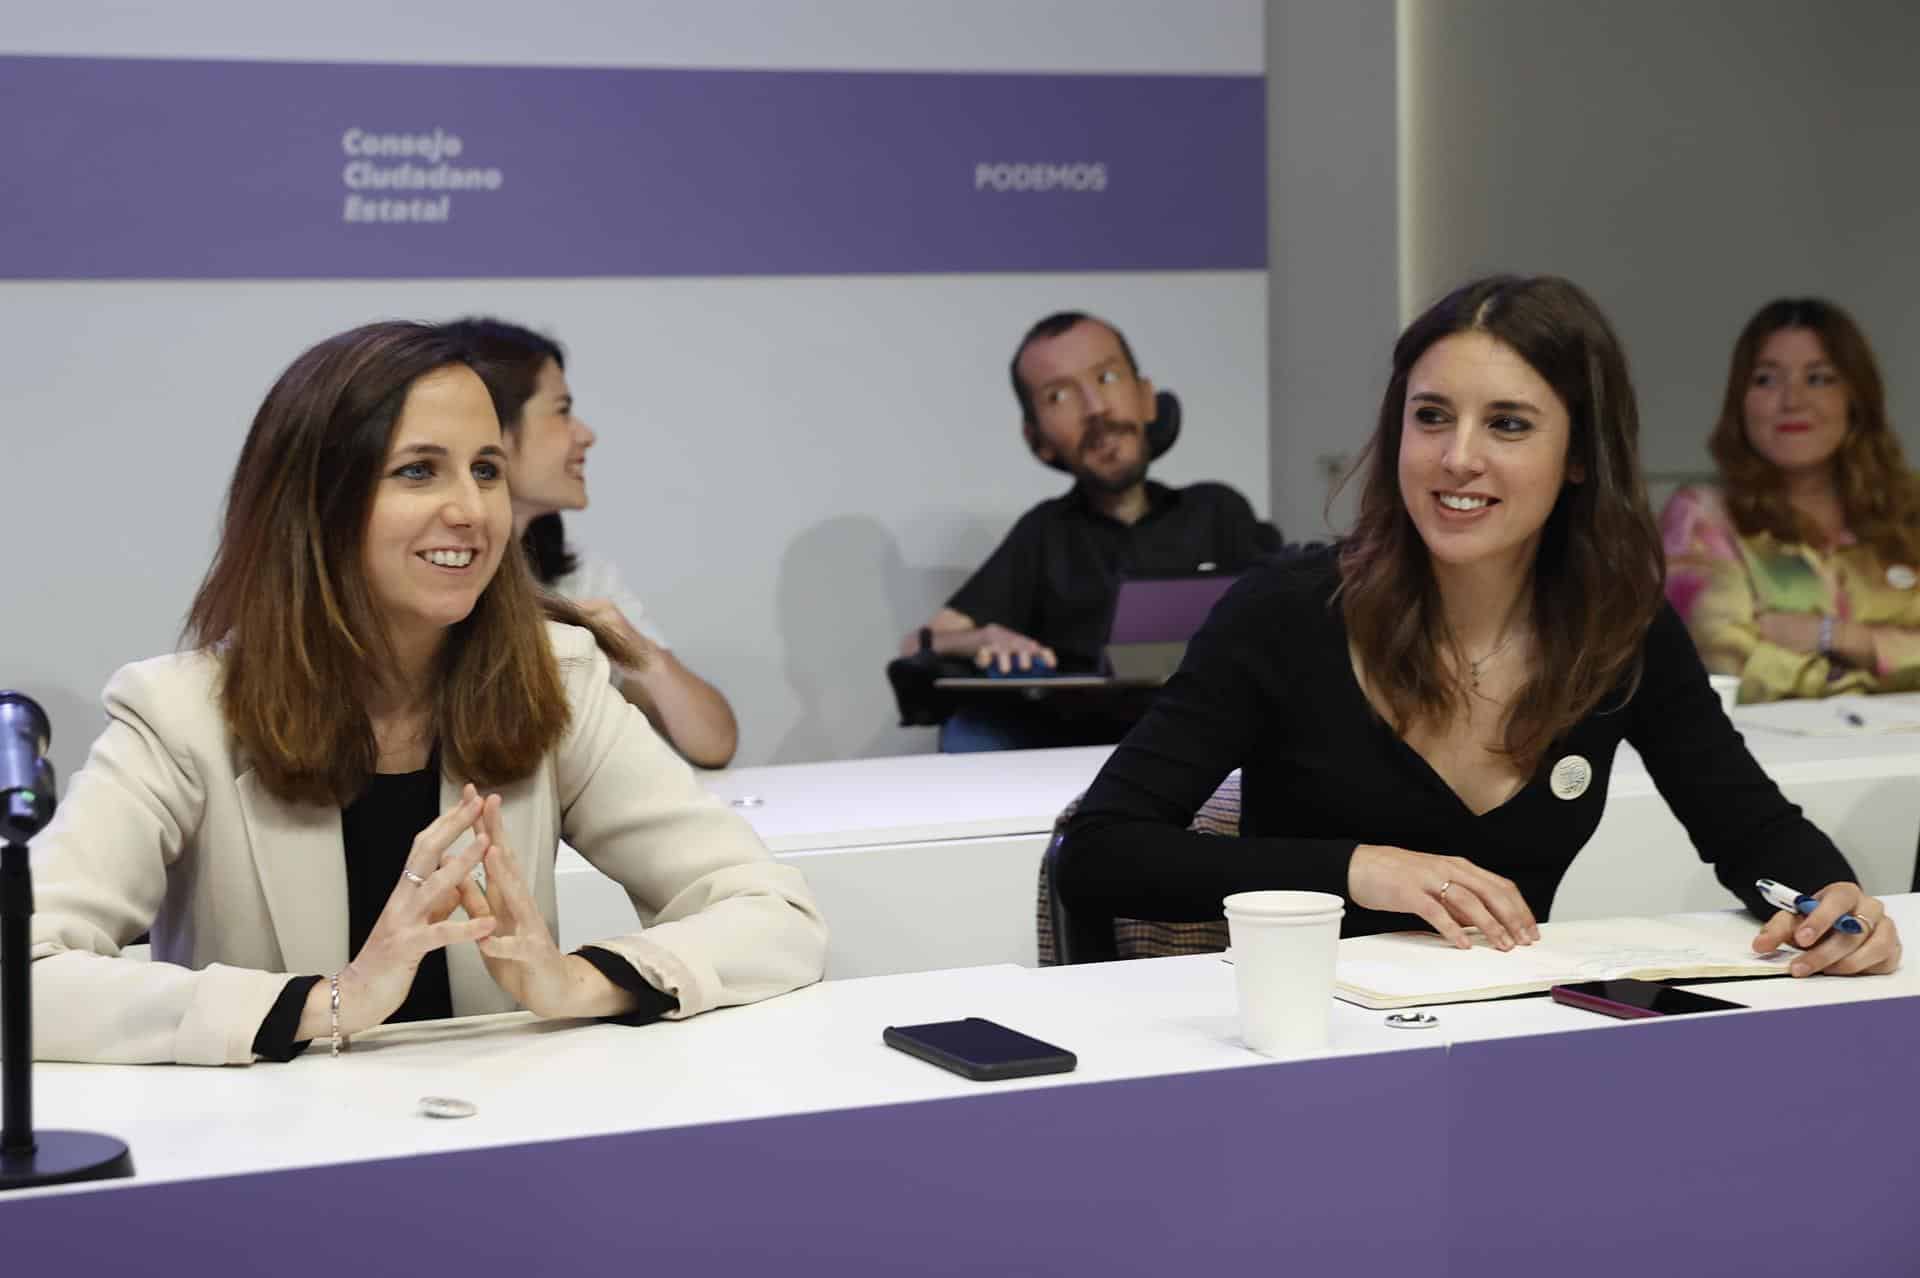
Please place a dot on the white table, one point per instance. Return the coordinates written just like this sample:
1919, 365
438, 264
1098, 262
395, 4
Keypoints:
793, 1130
919, 862
924, 862
816, 1049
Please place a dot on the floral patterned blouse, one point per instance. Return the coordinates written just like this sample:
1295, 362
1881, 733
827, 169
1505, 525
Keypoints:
1719, 580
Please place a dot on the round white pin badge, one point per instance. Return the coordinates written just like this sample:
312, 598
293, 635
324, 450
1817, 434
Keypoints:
1571, 777
1901, 577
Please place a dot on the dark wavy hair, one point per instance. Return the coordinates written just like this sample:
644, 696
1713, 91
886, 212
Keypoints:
1599, 573
508, 359
287, 606
1870, 471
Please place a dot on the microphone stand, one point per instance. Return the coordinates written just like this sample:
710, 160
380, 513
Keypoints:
50, 1158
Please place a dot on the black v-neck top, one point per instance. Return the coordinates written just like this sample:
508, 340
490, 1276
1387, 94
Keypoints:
1268, 687
378, 828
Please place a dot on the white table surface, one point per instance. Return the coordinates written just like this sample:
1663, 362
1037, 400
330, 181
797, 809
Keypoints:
911, 798
814, 1050
919, 862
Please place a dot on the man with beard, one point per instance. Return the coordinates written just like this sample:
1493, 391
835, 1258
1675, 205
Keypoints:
1044, 597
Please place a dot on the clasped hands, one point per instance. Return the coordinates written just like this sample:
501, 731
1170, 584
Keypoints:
1453, 894
503, 921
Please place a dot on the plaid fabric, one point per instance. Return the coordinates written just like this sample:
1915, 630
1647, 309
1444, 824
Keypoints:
1141, 938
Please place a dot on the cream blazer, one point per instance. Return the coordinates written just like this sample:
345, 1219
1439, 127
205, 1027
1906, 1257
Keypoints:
164, 828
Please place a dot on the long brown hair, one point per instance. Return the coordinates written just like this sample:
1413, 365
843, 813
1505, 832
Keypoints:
287, 607
1598, 575
1869, 471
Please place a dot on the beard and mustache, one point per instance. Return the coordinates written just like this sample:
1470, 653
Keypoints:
1092, 440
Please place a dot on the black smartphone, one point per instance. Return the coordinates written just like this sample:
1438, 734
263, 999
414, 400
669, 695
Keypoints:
1633, 999
979, 1049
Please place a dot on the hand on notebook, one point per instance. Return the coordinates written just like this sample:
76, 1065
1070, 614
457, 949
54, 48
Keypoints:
1451, 893
1836, 953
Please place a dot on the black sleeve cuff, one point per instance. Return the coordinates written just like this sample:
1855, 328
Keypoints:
653, 1003
273, 1041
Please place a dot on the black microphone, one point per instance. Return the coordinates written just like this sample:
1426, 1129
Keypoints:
27, 1157
26, 777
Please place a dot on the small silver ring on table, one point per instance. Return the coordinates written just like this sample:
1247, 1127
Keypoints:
1412, 1020
1442, 890
415, 879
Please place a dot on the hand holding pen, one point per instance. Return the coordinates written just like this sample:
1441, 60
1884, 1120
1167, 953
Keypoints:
1840, 930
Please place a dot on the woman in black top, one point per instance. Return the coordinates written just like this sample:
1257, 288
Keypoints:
1426, 717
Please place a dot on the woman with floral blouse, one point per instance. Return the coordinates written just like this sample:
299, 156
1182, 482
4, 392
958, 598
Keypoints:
1802, 575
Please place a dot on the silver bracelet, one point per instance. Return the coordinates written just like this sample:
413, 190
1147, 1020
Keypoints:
333, 1013
1826, 635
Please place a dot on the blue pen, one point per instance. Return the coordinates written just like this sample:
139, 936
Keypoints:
1782, 897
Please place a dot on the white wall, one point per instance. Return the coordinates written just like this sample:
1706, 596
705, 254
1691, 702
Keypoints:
1333, 246
792, 472
1683, 162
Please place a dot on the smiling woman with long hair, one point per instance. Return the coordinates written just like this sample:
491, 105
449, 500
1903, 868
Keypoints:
294, 805
1426, 717
1801, 574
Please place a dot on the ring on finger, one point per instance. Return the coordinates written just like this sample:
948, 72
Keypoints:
416, 879
1442, 890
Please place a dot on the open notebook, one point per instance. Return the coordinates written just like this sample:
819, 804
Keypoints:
1411, 969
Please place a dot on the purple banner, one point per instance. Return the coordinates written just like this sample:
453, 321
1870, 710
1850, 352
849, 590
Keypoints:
1320, 1167
145, 169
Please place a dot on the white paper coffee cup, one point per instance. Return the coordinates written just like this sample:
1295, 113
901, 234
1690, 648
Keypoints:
1728, 686
1284, 947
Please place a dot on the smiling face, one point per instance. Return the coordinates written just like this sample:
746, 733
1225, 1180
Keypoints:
1796, 408
1483, 451
547, 453
1090, 408
440, 518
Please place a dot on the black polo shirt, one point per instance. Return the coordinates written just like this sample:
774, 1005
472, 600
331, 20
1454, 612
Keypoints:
1053, 579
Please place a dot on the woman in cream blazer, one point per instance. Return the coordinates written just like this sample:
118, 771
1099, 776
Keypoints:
175, 826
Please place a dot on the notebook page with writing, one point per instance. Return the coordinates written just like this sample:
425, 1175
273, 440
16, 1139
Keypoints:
1411, 969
